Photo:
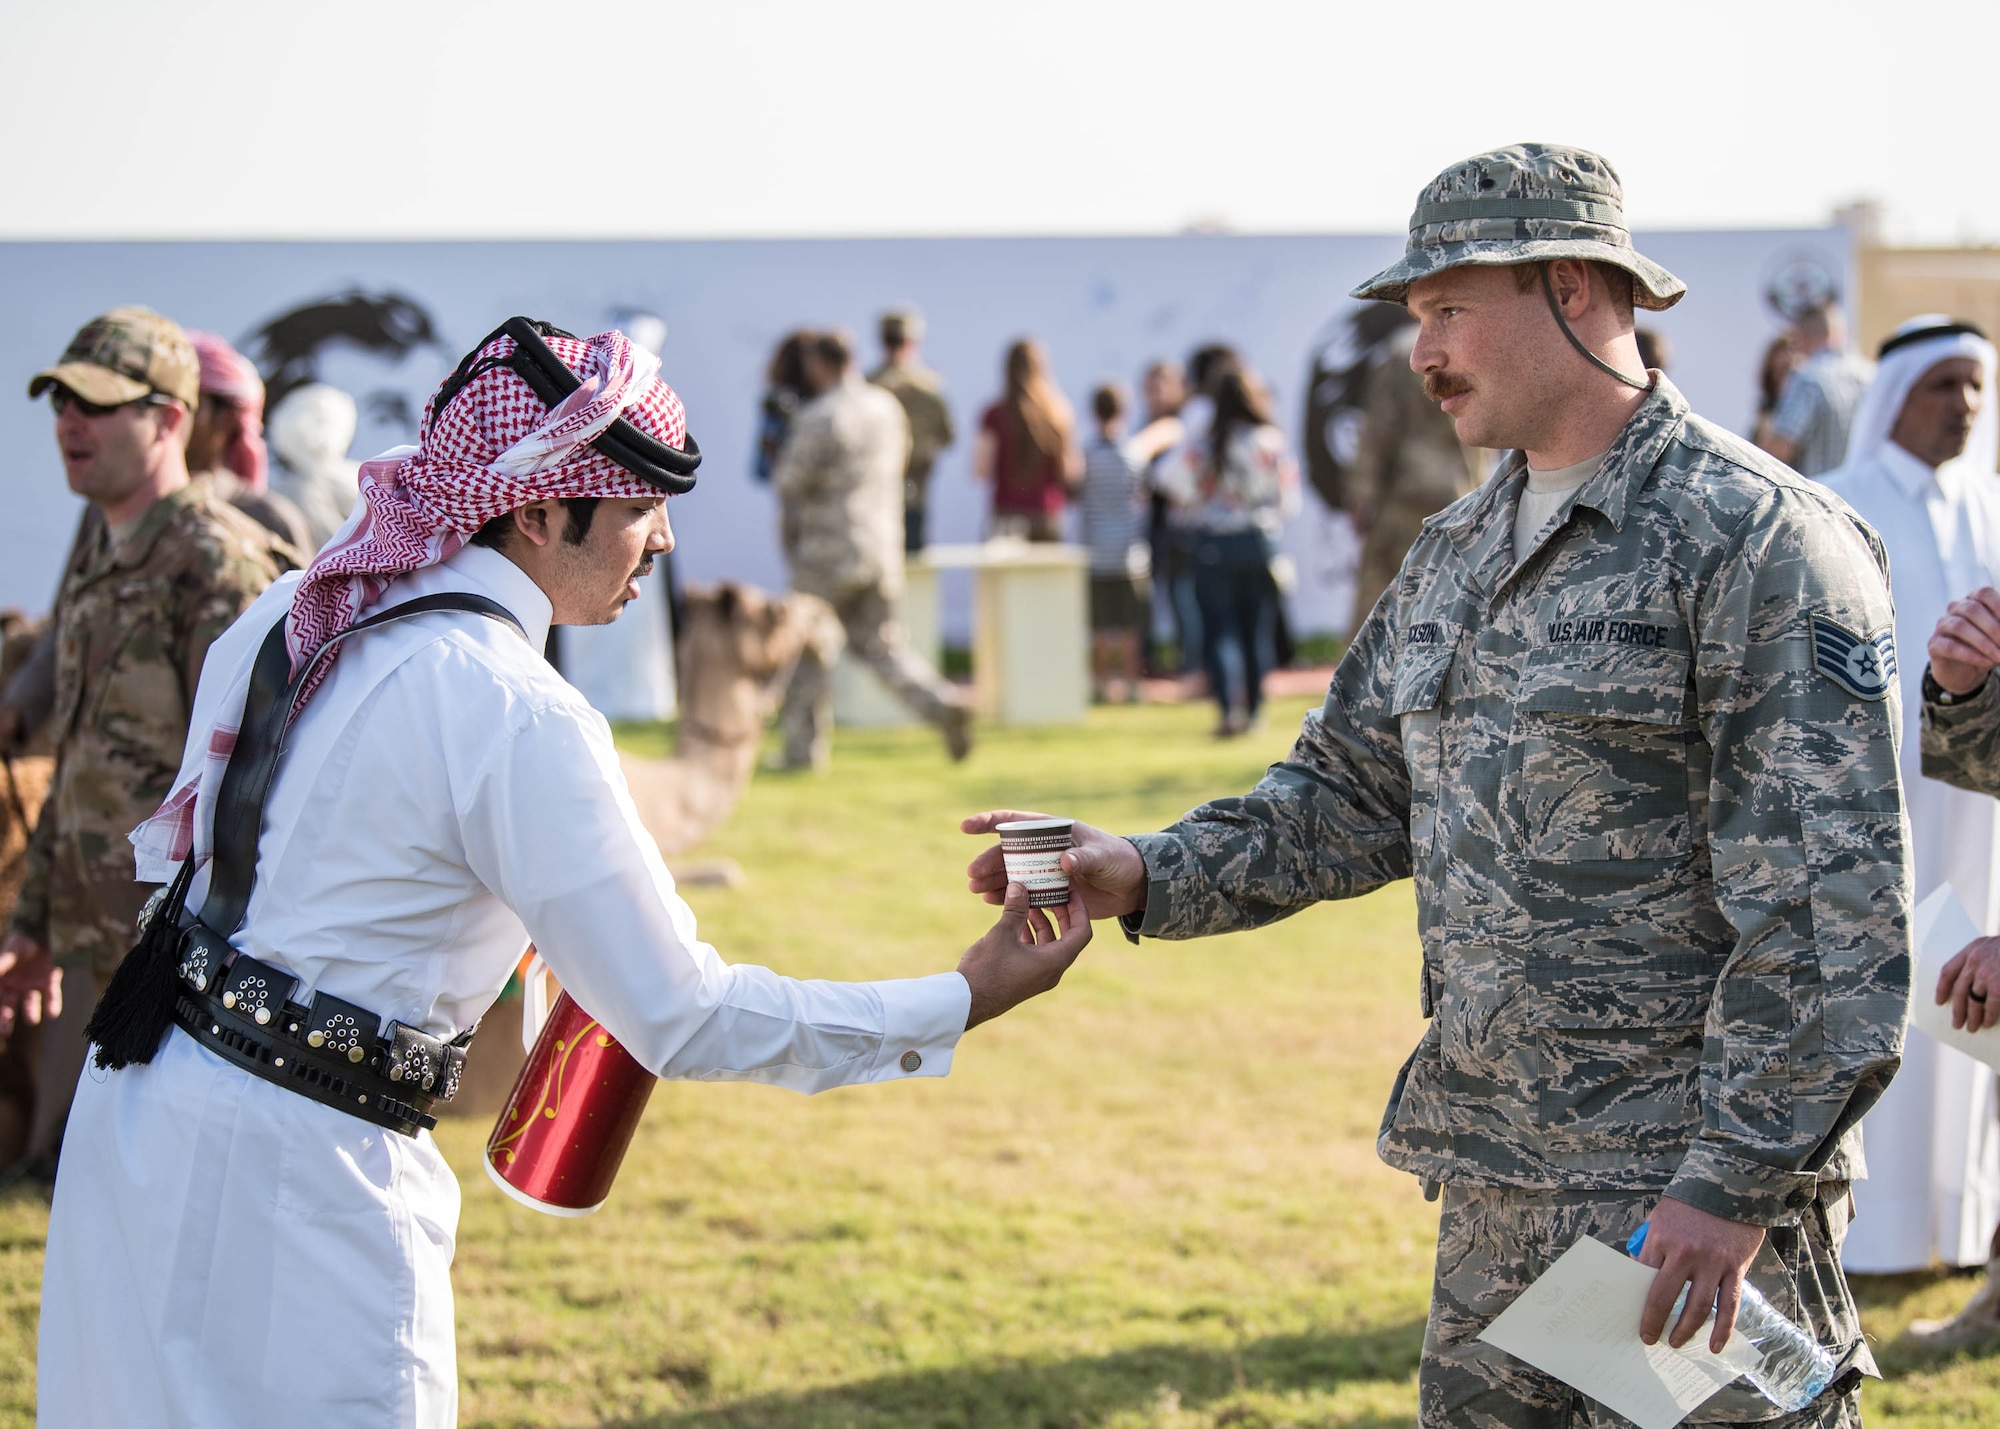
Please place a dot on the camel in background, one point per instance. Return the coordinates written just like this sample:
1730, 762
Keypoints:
735, 645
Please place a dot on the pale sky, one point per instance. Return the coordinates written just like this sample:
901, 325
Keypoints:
500, 118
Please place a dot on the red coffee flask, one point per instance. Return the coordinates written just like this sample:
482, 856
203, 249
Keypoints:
564, 1130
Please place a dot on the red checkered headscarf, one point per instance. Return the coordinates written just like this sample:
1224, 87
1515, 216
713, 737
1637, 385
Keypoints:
494, 448
228, 374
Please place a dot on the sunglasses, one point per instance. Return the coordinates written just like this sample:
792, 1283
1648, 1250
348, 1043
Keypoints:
62, 399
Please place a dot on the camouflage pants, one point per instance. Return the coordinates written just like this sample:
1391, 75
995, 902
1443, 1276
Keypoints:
1494, 1241
875, 637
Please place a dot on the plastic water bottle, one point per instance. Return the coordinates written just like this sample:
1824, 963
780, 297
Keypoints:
1792, 1367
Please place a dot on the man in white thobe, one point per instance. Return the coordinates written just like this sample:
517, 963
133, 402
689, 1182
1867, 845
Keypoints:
224, 1251
1920, 470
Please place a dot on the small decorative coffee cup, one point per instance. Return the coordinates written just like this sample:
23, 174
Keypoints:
1033, 850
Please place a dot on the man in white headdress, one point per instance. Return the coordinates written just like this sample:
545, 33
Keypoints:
310, 431
1921, 470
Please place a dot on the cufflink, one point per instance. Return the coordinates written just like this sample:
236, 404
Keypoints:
1936, 694
911, 1061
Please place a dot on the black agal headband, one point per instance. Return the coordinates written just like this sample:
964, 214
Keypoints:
549, 378
1926, 334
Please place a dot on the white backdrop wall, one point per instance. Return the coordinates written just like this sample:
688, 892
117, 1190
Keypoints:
1104, 307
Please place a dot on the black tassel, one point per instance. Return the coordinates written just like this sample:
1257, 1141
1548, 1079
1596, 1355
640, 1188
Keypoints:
138, 1007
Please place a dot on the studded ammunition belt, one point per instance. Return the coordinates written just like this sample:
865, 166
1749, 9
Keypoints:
327, 1050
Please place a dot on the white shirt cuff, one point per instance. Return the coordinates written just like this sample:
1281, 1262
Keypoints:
922, 1020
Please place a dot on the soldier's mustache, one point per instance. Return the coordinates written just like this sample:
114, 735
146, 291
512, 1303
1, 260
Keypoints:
1440, 385
644, 569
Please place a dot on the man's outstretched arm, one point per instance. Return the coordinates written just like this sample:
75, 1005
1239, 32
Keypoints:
1329, 821
550, 828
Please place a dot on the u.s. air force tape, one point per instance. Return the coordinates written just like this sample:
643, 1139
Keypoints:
1862, 665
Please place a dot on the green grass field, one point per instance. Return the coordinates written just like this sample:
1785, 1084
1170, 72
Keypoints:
1150, 1198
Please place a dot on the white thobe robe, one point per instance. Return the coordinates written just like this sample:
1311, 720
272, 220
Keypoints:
223, 1252
1933, 1142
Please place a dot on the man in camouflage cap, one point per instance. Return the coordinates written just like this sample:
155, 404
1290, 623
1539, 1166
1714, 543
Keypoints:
1629, 716
921, 391
142, 596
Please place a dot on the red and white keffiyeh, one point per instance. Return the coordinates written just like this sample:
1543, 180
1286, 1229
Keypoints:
494, 449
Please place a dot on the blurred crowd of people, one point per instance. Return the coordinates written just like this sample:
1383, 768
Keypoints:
1180, 514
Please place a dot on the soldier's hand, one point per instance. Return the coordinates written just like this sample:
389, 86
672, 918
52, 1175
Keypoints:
1703, 1253
1023, 955
1966, 644
30, 983
1968, 981
1105, 869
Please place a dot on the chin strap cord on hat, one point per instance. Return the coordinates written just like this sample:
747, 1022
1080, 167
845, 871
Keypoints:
1555, 310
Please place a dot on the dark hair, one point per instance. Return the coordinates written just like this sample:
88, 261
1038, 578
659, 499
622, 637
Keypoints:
1107, 402
1780, 357
1240, 401
833, 349
580, 510
786, 369
1207, 363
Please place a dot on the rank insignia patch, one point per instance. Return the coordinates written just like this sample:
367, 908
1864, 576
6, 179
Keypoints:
1864, 666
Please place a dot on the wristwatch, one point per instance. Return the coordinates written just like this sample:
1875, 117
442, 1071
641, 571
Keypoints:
1936, 694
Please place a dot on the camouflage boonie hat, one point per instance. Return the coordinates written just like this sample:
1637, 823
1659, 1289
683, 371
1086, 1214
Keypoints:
1525, 203
124, 355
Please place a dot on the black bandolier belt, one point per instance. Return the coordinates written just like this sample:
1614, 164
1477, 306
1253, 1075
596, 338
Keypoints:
242, 1009
326, 1050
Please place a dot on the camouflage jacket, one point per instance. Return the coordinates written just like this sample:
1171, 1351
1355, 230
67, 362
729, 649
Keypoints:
133, 623
922, 396
1961, 741
1646, 782
840, 491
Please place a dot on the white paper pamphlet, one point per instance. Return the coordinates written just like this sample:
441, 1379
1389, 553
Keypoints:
1580, 1323
1940, 929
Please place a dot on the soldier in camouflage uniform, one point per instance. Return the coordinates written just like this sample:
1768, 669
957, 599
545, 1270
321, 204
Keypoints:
168, 569
1408, 466
1643, 770
839, 482
921, 392
1961, 746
